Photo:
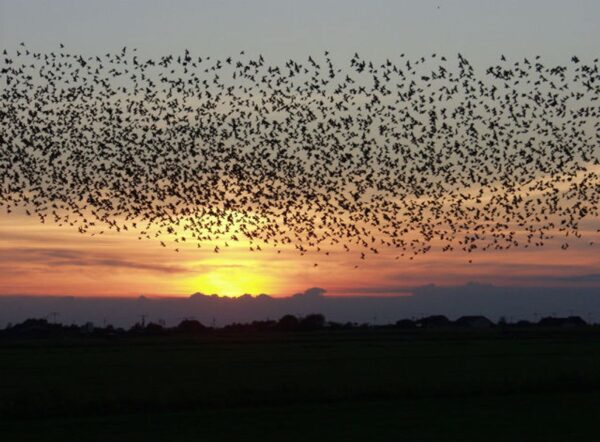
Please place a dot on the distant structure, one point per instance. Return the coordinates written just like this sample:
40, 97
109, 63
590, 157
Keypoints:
568, 322
474, 322
434, 321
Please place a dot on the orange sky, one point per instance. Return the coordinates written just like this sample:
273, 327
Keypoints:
46, 259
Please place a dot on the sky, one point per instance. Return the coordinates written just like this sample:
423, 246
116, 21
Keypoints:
46, 259
280, 29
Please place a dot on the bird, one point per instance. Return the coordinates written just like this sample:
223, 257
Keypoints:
410, 154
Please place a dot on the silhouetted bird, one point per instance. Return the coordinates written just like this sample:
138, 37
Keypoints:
406, 154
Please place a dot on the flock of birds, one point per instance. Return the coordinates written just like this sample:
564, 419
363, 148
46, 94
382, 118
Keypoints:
408, 154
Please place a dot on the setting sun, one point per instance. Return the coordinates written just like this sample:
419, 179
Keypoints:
231, 279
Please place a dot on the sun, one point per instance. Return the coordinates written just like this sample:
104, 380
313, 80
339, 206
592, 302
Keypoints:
231, 278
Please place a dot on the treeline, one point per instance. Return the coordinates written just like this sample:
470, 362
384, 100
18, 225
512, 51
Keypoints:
288, 323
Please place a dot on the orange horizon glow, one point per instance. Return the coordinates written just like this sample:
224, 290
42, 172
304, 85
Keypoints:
45, 259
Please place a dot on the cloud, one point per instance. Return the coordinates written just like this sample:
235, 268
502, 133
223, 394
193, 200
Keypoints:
587, 278
553, 279
41, 234
209, 267
504, 273
312, 293
56, 257
452, 301
376, 290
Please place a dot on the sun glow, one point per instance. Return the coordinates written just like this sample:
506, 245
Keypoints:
231, 278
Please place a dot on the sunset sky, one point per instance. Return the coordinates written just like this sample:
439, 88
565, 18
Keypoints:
41, 259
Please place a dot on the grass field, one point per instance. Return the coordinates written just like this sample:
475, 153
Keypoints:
343, 386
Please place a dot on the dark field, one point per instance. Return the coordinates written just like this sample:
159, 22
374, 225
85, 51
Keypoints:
351, 385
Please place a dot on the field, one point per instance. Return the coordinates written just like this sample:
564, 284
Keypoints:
349, 385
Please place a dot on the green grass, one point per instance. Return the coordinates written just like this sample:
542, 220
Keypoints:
346, 386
